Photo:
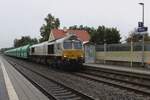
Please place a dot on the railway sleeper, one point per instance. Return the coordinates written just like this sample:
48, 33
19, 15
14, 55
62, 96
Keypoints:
61, 94
57, 89
66, 97
62, 91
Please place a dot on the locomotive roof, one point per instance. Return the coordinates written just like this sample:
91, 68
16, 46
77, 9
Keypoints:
43, 43
57, 40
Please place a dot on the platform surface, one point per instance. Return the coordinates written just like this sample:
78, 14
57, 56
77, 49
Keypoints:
14, 86
3, 90
122, 68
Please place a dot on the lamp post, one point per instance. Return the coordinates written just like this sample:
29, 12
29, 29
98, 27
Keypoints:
142, 4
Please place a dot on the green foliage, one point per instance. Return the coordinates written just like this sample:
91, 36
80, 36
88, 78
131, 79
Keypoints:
24, 41
51, 23
101, 34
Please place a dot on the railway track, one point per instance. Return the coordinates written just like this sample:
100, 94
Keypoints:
113, 78
54, 89
129, 81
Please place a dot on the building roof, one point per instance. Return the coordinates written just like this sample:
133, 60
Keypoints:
81, 34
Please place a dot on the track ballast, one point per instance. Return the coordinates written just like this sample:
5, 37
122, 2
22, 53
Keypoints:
53, 89
125, 80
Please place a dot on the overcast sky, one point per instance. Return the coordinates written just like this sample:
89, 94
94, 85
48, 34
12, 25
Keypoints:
25, 17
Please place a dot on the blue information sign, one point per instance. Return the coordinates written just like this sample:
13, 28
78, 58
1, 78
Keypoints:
142, 29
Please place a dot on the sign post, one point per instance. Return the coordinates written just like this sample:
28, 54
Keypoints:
142, 29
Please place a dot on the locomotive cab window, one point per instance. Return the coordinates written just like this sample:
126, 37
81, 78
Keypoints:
50, 49
32, 50
67, 44
77, 44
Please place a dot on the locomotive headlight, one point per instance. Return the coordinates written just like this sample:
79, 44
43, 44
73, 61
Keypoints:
65, 56
81, 57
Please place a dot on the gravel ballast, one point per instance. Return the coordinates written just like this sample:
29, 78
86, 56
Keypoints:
99, 91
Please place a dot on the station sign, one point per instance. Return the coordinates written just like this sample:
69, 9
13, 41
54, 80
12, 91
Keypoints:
142, 29
140, 24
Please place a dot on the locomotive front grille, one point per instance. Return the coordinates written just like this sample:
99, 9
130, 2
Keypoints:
72, 54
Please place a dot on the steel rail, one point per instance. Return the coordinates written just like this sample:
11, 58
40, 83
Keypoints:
78, 93
121, 83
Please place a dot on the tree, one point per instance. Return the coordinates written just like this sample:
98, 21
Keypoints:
73, 27
51, 23
24, 41
101, 34
112, 35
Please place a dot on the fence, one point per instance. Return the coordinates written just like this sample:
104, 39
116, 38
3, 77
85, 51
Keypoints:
132, 53
123, 47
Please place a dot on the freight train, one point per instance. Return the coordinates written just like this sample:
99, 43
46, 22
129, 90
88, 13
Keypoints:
65, 53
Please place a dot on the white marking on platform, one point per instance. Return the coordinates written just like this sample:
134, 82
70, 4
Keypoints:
11, 91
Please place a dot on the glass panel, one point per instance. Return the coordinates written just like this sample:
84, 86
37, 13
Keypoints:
67, 44
77, 45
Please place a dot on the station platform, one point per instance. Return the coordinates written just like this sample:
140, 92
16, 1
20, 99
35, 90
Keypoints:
144, 71
14, 86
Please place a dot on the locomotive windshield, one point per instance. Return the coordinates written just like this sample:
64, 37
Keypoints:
75, 44
68, 44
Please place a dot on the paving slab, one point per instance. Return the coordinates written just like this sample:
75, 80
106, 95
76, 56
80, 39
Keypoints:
23, 89
3, 90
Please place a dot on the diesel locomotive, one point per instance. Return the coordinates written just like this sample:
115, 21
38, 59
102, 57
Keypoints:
66, 52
